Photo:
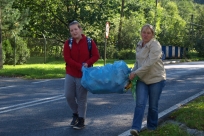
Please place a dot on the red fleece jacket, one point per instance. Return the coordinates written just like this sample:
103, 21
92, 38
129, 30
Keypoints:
78, 55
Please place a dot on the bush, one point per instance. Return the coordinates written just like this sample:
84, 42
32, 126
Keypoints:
126, 54
22, 52
7, 52
199, 47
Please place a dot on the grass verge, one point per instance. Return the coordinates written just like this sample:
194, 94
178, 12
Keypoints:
166, 130
191, 114
34, 71
52, 69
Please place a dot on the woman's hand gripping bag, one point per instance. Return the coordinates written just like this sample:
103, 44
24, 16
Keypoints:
110, 78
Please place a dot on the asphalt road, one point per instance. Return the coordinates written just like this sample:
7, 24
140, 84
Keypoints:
38, 107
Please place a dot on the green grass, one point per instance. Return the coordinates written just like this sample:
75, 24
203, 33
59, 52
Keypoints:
191, 114
166, 130
35, 69
41, 68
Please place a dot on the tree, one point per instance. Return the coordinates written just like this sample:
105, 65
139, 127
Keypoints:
1, 55
2, 4
120, 24
172, 26
51, 17
199, 32
12, 22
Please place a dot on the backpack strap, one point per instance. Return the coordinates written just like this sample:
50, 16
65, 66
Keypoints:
70, 43
89, 45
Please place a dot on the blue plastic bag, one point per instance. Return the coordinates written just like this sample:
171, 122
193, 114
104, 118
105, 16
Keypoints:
110, 78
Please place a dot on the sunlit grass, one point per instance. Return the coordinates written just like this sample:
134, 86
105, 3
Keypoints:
34, 71
165, 130
51, 69
191, 114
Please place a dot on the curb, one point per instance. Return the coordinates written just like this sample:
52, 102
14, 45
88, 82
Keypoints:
171, 62
167, 112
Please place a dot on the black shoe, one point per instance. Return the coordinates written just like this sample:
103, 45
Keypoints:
80, 124
75, 119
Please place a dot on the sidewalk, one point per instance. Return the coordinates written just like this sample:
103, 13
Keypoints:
171, 61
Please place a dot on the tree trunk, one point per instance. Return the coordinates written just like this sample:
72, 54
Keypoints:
120, 25
1, 55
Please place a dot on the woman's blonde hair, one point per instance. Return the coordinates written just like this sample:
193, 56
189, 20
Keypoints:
150, 27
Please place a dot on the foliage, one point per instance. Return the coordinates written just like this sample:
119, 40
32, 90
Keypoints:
126, 54
199, 46
199, 33
15, 49
44, 47
49, 19
173, 26
7, 52
22, 51
130, 34
54, 16
12, 24
12, 19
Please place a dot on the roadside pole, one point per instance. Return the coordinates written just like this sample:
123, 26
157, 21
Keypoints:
106, 37
14, 57
45, 43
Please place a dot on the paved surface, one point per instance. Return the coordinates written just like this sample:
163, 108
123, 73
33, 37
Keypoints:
38, 107
171, 61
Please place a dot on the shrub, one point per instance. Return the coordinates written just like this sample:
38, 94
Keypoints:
7, 52
199, 47
126, 54
21, 54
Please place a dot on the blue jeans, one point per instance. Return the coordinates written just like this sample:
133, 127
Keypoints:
143, 92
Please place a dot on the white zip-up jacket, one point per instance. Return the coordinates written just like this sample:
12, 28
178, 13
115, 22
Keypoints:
149, 66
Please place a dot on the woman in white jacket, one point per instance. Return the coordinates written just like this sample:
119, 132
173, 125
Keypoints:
152, 77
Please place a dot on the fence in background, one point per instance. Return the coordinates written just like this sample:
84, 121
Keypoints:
173, 52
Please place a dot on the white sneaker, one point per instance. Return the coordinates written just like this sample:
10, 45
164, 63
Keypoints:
134, 132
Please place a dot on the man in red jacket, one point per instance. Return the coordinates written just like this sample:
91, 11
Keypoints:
77, 55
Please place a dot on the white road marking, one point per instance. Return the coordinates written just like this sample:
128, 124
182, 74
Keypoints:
183, 66
167, 111
32, 103
29, 104
32, 83
46, 80
40, 81
7, 87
